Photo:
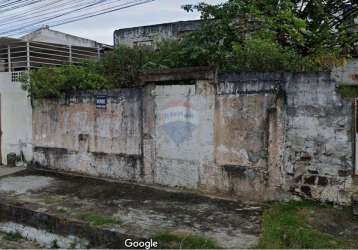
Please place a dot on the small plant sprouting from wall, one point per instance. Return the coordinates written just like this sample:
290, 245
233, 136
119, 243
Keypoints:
350, 91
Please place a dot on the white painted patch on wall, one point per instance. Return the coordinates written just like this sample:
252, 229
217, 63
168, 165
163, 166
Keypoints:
44, 238
16, 119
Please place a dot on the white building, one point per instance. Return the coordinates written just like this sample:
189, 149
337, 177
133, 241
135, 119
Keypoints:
18, 56
48, 35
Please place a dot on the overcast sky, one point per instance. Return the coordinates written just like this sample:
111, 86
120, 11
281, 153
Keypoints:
101, 28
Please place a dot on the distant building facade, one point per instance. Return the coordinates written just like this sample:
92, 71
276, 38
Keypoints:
48, 35
41, 48
150, 35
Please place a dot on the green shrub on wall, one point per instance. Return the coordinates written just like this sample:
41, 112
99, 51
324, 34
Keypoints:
121, 66
58, 81
268, 56
236, 36
350, 91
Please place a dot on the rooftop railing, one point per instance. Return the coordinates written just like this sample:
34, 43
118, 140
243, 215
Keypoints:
22, 55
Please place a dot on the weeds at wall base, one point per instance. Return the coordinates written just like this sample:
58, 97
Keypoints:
286, 226
181, 241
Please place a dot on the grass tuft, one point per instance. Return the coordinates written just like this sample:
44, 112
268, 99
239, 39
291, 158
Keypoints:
284, 226
181, 241
98, 220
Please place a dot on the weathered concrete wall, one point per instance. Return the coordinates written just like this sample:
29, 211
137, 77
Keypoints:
347, 74
318, 155
253, 136
73, 135
149, 35
299, 124
184, 134
16, 119
249, 134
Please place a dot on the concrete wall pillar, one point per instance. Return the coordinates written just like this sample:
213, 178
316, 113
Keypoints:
276, 139
148, 133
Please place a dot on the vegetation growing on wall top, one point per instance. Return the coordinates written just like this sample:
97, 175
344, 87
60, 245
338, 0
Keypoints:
350, 91
239, 35
56, 82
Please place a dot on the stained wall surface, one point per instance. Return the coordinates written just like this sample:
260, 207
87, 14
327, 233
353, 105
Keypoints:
74, 135
251, 136
318, 154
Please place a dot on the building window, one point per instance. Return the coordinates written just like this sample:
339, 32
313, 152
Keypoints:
16, 75
143, 43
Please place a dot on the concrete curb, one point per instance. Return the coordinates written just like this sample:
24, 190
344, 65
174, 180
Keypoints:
97, 237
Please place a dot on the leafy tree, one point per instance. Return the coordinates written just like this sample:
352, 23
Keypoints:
317, 30
238, 35
328, 23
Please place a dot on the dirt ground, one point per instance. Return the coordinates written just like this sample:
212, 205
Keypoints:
148, 212
133, 209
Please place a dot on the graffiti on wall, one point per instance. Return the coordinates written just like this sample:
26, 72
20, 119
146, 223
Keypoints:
178, 120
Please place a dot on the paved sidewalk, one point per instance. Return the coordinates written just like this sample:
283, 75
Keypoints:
131, 209
10, 170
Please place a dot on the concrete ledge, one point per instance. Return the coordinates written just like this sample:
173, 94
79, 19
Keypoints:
97, 237
179, 74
